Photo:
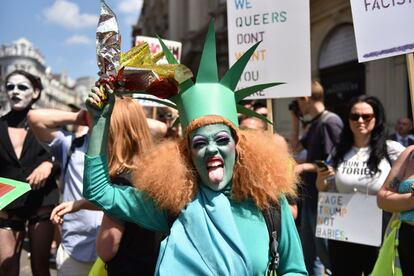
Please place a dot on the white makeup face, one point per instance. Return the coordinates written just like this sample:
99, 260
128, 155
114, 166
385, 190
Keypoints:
20, 92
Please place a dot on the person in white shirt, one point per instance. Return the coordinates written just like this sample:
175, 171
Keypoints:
360, 163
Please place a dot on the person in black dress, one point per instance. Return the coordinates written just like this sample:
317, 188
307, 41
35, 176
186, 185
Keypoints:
23, 158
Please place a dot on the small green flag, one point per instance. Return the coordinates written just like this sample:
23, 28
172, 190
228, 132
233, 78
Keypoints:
10, 190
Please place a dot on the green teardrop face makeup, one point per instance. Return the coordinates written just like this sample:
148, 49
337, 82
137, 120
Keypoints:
213, 151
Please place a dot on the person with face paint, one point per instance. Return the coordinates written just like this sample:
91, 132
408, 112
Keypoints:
23, 158
206, 191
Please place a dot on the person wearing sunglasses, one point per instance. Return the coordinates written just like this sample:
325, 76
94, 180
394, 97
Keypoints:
23, 158
360, 163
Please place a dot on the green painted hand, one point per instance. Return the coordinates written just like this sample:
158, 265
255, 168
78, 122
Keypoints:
100, 102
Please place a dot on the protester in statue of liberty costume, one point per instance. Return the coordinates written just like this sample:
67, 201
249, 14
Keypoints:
207, 191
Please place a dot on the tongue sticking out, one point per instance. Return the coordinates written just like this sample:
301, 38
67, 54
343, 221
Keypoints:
215, 175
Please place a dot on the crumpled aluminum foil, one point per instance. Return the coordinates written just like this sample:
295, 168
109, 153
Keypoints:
108, 43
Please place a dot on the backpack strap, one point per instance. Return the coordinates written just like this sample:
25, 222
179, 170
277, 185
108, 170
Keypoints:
171, 219
76, 143
272, 217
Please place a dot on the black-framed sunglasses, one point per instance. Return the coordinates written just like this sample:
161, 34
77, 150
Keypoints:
365, 117
20, 86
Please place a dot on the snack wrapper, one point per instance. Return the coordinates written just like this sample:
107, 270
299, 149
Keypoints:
135, 71
108, 43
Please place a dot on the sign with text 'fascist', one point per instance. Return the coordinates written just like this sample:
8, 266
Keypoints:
349, 217
284, 53
383, 28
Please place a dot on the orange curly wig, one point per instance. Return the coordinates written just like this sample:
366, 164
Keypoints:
263, 169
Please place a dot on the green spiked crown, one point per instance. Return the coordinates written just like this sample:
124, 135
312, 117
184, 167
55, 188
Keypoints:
209, 96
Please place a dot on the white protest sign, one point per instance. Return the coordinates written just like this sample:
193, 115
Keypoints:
175, 47
383, 28
155, 47
284, 54
349, 217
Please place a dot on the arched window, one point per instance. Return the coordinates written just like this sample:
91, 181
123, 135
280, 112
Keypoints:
340, 73
338, 47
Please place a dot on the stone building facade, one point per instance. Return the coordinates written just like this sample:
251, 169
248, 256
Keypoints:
333, 52
59, 90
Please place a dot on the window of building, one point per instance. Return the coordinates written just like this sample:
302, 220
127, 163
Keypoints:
338, 47
340, 73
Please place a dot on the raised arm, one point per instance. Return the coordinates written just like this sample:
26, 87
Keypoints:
126, 203
45, 123
388, 197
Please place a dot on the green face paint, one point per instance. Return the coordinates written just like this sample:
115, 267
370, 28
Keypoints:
213, 152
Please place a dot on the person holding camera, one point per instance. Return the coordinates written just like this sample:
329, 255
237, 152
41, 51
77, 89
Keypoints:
321, 135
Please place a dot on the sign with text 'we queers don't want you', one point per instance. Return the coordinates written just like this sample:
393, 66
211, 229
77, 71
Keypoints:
284, 54
383, 28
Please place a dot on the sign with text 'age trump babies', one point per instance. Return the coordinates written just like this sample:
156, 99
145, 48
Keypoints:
284, 54
383, 28
349, 217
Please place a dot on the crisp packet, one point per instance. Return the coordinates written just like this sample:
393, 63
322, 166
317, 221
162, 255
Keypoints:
108, 43
135, 71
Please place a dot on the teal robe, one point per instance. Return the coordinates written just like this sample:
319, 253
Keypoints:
213, 235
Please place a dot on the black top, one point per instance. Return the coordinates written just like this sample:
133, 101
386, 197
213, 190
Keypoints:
139, 248
410, 139
323, 134
33, 154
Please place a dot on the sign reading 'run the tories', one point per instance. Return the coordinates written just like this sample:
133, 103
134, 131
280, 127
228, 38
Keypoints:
284, 54
383, 28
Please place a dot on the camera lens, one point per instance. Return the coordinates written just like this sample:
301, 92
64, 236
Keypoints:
294, 107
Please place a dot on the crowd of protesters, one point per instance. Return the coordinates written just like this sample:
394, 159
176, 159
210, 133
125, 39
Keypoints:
133, 233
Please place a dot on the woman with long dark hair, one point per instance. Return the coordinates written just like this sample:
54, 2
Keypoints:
360, 163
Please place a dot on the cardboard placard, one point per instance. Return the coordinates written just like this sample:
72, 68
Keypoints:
383, 28
349, 217
284, 53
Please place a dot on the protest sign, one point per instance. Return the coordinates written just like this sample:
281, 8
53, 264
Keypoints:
175, 47
10, 190
349, 217
155, 47
383, 28
284, 54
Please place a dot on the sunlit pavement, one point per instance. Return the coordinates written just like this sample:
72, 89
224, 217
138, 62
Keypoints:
25, 269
